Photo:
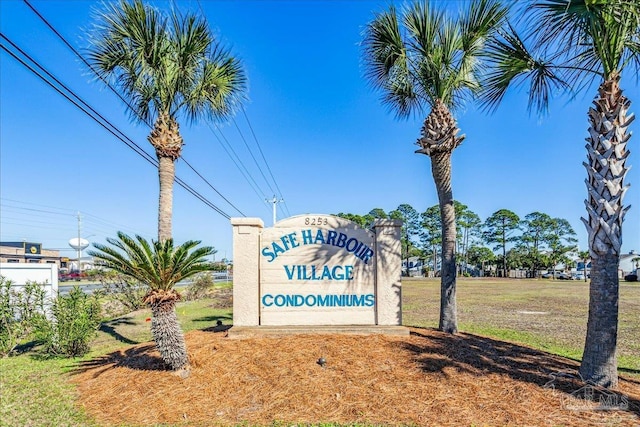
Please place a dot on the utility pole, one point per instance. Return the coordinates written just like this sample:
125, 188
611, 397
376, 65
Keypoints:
79, 250
274, 201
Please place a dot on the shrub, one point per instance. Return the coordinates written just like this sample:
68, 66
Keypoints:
124, 291
19, 311
73, 324
200, 287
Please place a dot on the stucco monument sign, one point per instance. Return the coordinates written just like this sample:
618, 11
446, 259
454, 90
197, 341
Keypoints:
315, 270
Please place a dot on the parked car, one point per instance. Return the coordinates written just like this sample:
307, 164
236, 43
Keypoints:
74, 275
558, 275
578, 276
632, 277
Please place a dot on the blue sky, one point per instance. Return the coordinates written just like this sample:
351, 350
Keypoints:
330, 144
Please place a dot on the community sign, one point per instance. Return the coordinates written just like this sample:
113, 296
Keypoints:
317, 270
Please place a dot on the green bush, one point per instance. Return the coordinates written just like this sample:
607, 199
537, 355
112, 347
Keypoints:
200, 288
72, 325
124, 291
20, 310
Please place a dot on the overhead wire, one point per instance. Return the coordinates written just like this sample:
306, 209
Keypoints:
265, 160
252, 156
108, 126
93, 223
241, 167
70, 46
237, 160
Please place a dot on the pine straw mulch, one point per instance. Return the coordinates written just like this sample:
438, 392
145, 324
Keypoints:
427, 378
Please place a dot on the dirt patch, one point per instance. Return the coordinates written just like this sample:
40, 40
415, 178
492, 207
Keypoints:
427, 378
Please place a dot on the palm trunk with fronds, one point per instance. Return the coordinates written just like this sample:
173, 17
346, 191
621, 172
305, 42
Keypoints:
165, 138
439, 139
165, 328
607, 155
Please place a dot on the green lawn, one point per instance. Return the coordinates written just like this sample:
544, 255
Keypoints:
545, 314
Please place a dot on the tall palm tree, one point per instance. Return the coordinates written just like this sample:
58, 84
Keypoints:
569, 44
159, 265
423, 60
167, 67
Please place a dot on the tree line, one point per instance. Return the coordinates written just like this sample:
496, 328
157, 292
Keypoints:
504, 240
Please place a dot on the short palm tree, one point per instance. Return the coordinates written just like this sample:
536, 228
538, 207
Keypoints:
167, 68
421, 60
569, 44
159, 265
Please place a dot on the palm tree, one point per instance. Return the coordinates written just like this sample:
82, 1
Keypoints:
159, 265
573, 43
167, 68
423, 60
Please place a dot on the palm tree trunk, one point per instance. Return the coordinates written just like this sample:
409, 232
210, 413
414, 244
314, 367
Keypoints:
607, 155
165, 138
599, 362
166, 172
441, 169
168, 335
439, 139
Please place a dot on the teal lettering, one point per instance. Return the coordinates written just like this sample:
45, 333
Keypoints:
352, 248
348, 272
370, 300
326, 273
367, 255
335, 275
266, 252
285, 242
277, 249
358, 300
331, 237
290, 272
306, 237
319, 237
292, 239
323, 301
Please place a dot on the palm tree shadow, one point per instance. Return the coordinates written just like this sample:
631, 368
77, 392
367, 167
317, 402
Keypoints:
110, 328
137, 358
478, 355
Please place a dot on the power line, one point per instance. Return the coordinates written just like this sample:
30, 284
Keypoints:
246, 174
135, 147
64, 40
108, 126
252, 156
265, 160
212, 187
252, 182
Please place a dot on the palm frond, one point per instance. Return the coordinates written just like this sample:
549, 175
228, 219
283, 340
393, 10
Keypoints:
597, 36
511, 63
482, 20
425, 55
158, 63
157, 264
387, 66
